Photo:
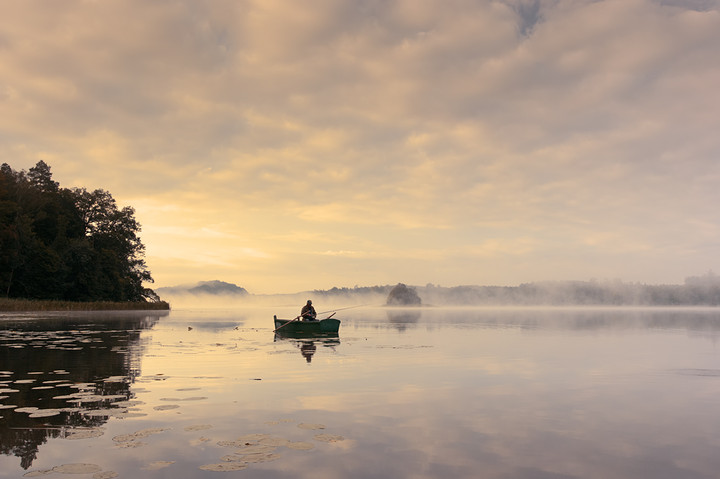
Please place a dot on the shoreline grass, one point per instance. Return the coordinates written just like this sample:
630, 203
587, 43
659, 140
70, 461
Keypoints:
29, 305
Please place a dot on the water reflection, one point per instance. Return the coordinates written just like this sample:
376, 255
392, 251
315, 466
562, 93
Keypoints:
426, 392
574, 319
402, 318
62, 374
307, 345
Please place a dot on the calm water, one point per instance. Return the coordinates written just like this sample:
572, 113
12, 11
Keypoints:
432, 393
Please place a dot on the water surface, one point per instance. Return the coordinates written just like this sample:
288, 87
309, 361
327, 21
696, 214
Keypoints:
425, 393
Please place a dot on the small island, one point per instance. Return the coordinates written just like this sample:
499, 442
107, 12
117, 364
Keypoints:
68, 248
402, 295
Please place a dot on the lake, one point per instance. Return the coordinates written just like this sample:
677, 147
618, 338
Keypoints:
398, 393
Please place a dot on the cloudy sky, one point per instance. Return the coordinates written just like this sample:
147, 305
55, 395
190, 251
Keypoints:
286, 146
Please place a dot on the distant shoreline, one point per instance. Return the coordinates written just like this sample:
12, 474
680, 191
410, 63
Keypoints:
30, 305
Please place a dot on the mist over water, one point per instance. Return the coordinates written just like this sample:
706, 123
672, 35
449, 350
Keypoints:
695, 291
288, 303
425, 392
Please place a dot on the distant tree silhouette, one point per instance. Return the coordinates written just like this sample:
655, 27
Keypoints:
401, 295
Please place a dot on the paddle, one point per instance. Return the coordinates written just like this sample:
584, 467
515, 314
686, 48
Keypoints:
294, 319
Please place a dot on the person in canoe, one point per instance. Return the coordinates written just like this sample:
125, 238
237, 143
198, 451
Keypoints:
308, 312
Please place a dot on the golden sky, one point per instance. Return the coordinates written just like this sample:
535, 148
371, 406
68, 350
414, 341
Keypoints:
286, 146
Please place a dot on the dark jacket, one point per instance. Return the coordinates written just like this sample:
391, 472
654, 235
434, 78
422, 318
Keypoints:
308, 312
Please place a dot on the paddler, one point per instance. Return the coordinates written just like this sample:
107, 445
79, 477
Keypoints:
308, 312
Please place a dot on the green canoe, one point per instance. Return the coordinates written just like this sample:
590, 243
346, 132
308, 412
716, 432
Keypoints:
290, 326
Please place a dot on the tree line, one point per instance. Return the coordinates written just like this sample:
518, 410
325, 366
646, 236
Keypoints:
67, 244
697, 291
701, 290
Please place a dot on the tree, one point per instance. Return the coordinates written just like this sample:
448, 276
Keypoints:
9, 236
68, 244
401, 295
41, 178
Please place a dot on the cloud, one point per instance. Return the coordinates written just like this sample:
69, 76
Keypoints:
540, 126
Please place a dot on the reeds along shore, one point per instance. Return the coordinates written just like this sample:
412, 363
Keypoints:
37, 305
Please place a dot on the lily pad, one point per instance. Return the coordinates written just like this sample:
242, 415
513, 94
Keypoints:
230, 458
303, 425
231, 443
124, 438
194, 398
300, 446
198, 427
224, 466
255, 449
67, 396
150, 431
131, 444
28, 410
105, 475
328, 438
42, 472
166, 407
114, 412
45, 413
115, 379
85, 434
253, 438
77, 468
259, 457
125, 415
154, 466
273, 441
139, 434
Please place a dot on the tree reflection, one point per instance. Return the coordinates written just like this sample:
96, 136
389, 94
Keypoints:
69, 364
400, 319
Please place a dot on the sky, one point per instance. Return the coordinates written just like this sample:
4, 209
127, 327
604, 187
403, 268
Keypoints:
286, 146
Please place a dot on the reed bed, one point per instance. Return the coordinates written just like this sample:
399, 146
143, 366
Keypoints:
7, 304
